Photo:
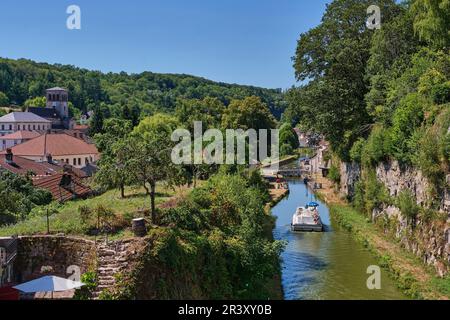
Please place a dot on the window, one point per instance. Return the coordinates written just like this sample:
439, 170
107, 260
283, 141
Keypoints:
3, 127
34, 127
10, 127
39, 127
74, 162
86, 161
18, 127
79, 161
67, 161
29, 127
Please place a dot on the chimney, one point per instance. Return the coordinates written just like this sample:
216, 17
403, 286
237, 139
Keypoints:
9, 156
49, 158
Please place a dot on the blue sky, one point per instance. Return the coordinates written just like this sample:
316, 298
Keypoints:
236, 41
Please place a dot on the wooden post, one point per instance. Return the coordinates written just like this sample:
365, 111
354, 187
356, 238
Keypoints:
48, 223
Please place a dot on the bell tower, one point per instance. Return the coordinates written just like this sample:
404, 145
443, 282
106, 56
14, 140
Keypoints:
57, 98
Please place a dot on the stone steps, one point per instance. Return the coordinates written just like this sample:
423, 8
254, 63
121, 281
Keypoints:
112, 259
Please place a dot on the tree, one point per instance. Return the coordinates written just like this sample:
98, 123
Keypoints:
432, 21
114, 164
333, 58
288, 139
4, 101
36, 102
151, 161
249, 113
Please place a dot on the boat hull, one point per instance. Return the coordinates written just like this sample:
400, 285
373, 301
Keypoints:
306, 228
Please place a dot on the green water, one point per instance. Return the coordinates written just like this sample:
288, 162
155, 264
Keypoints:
324, 266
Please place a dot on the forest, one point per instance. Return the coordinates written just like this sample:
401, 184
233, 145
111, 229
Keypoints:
118, 94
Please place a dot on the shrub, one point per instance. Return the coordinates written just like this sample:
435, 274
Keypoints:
334, 174
408, 206
406, 120
357, 149
377, 147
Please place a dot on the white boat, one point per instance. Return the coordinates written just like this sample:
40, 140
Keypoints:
307, 220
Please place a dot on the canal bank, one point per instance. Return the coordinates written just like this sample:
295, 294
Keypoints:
321, 266
411, 276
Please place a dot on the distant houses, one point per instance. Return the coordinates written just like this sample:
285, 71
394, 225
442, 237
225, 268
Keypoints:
23, 121
46, 143
60, 147
62, 181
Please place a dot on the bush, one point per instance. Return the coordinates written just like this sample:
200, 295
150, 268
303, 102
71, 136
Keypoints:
406, 120
377, 147
334, 174
408, 206
357, 149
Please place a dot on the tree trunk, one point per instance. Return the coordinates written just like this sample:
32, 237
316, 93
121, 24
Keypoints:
152, 199
122, 190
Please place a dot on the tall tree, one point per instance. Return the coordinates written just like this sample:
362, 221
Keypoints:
333, 58
432, 21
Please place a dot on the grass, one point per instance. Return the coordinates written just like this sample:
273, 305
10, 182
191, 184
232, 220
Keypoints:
67, 217
414, 278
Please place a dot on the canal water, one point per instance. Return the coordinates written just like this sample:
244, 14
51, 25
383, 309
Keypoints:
324, 266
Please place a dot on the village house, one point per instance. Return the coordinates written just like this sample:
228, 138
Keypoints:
16, 138
60, 147
22, 121
63, 181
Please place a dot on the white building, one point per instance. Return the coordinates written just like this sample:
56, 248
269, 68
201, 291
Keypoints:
18, 137
22, 121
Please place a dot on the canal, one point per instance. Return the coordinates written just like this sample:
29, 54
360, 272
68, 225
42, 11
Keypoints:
324, 266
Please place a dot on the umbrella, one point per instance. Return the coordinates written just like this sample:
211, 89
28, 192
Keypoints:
313, 204
49, 284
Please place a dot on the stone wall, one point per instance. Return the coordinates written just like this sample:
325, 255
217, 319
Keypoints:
350, 175
429, 240
58, 253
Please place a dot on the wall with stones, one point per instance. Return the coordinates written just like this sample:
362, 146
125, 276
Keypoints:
58, 253
430, 240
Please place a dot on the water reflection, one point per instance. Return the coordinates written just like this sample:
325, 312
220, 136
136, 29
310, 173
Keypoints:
329, 265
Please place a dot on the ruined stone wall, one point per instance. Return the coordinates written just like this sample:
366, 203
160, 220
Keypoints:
58, 253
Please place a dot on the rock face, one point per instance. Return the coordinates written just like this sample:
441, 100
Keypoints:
397, 179
429, 240
350, 175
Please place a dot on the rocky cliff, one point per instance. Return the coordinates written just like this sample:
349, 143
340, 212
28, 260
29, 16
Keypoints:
430, 238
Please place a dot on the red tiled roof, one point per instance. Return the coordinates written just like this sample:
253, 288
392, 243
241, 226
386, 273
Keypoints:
21, 135
22, 166
55, 145
53, 184
80, 127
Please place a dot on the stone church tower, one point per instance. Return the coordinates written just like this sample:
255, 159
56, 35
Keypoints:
57, 98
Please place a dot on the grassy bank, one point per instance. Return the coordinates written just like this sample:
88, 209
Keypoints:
414, 278
66, 218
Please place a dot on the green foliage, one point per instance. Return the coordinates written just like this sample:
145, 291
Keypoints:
18, 197
125, 96
249, 113
432, 21
90, 284
334, 57
4, 100
370, 193
407, 118
288, 140
408, 205
377, 147
230, 207
334, 174
36, 102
